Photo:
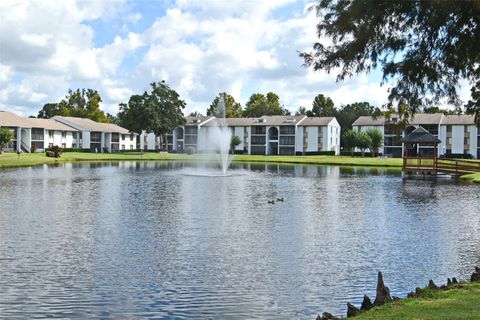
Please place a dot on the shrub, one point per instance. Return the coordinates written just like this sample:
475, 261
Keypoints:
57, 151
50, 154
315, 153
189, 150
238, 152
459, 156
76, 150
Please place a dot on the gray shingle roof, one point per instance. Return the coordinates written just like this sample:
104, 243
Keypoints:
90, 125
10, 119
420, 135
49, 124
316, 121
459, 119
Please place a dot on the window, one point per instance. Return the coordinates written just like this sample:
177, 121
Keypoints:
50, 133
64, 134
95, 137
131, 136
37, 134
50, 145
287, 130
64, 145
465, 128
287, 140
449, 128
190, 139
116, 137
259, 130
123, 137
466, 141
123, 147
449, 140
191, 130
258, 140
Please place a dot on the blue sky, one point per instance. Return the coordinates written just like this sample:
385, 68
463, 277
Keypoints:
200, 47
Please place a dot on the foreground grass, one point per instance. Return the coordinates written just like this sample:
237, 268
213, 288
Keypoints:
460, 302
473, 177
12, 160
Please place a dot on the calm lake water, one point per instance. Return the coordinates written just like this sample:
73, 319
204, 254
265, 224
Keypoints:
131, 240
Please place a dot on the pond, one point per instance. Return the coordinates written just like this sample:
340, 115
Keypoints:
165, 240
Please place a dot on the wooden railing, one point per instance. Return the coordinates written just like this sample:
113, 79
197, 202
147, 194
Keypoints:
457, 166
450, 166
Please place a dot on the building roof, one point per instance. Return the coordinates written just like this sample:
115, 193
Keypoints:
426, 118
369, 121
316, 121
10, 119
278, 120
49, 124
90, 125
417, 119
231, 122
421, 136
459, 119
189, 120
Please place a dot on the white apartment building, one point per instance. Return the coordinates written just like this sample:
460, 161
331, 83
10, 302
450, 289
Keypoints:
267, 135
66, 132
99, 137
458, 133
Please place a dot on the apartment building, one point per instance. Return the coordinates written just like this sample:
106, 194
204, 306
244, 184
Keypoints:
458, 133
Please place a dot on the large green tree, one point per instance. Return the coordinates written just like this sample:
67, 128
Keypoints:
159, 111
322, 106
263, 105
233, 109
6, 135
84, 103
423, 48
347, 115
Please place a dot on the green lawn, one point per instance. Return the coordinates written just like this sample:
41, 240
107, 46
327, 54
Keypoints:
11, 159
460, 302
474, 177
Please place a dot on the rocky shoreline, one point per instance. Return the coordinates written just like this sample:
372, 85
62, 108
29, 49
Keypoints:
383, 296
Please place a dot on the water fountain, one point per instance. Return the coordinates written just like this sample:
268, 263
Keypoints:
219, 137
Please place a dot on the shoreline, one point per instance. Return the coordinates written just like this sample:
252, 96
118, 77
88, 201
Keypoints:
11, 160
453, 300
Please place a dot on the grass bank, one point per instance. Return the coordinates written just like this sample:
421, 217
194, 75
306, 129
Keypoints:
462, 301
474, 177
12, 160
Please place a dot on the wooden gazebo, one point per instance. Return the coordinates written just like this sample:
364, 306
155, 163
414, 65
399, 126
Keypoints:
412, 161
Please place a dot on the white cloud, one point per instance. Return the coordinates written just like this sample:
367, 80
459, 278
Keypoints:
200, 47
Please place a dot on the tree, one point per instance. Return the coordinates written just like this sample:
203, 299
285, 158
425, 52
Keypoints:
135, 115
301, 111
6, 135
425, 48
233, 109
363, 141
234, 143
350, 140
440, 110
159, 111
347, 115
322, 106
376, 140
260, 105
83, 103
195, 114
